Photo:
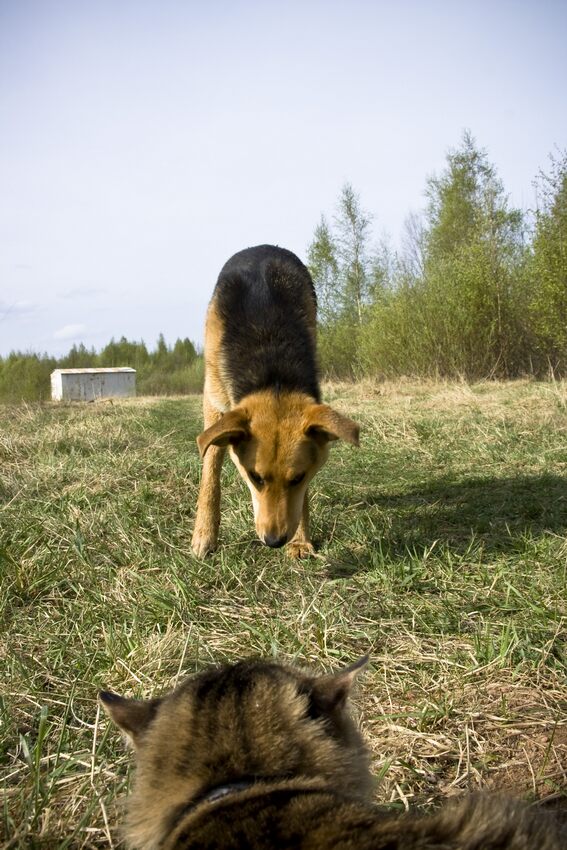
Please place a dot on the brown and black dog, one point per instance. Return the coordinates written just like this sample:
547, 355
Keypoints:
262, 397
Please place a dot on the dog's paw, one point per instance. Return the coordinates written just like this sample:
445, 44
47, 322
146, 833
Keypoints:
300, 549
203, 543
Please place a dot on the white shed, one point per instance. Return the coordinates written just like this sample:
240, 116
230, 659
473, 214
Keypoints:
92, 384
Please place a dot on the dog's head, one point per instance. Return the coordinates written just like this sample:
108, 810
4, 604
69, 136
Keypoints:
278, 443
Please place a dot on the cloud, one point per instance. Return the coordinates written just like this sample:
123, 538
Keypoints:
16, 308
69, 331
82, 292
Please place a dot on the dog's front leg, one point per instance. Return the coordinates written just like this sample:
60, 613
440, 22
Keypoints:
300, 546
207, 520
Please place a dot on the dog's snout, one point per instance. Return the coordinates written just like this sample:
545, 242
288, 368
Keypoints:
275, 542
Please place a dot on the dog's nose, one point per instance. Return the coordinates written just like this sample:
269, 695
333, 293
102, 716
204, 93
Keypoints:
275, 542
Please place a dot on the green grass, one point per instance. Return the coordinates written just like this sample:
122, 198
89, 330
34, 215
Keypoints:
441, 550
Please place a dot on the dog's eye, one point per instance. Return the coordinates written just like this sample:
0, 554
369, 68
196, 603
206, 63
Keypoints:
297, 480
255, 478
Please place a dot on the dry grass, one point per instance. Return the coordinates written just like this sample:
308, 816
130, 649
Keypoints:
442, 551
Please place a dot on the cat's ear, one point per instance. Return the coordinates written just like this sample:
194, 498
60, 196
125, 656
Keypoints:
332, 691
132, 716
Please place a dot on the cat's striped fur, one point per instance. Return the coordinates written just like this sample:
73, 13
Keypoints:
259, 755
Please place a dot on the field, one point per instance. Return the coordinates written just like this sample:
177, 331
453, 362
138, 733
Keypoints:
442, 551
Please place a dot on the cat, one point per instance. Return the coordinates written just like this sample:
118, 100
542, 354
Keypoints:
260, 755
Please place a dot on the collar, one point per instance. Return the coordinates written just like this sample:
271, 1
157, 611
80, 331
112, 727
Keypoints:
219, 792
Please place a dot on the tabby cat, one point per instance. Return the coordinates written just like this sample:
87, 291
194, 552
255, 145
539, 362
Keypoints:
259, 755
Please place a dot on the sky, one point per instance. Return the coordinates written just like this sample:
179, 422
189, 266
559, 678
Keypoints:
143, 143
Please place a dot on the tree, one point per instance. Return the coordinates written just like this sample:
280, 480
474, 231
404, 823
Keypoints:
183, 353
548, 267
26, 376
473, 257
381, 271
352, 225
345, 276
124, 353
323, 266
161, 355
79, 357
414, 250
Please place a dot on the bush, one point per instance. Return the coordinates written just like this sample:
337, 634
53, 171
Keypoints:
159, 381
26, 377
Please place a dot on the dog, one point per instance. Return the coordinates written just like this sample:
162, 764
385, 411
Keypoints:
262, 398
261, 756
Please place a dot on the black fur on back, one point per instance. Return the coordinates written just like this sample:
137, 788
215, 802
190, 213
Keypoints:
263, 296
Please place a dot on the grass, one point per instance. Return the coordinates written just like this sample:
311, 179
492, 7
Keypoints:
442, 551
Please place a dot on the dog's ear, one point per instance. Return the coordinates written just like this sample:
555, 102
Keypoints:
132, 716
325, 423
230, 428
332, 691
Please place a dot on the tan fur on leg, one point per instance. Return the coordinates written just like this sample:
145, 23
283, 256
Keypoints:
207, 521
301, 546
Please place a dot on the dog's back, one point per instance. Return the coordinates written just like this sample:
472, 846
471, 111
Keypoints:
265, 301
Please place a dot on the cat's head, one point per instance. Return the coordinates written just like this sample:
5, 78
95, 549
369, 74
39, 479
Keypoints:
246, 721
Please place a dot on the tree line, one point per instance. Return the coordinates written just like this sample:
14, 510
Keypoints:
477, 289
165, 370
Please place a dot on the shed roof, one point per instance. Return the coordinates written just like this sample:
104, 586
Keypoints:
91, 371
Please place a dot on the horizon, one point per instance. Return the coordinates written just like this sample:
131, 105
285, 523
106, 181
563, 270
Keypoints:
144, 145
